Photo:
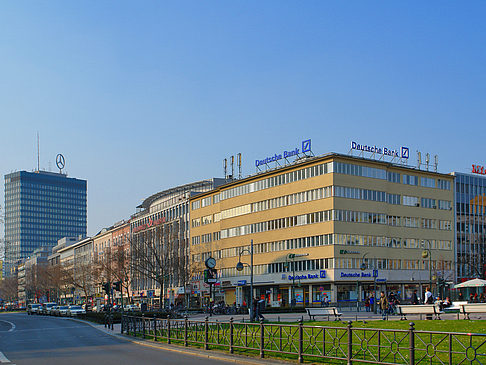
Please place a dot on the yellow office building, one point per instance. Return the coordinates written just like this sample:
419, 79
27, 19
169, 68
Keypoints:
332, 225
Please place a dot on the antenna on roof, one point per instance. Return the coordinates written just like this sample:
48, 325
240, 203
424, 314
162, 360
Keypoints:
38, 153
239, 165
225, 167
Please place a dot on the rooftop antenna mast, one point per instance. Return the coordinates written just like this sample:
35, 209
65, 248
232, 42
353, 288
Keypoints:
225, 167
38, 153
239, 165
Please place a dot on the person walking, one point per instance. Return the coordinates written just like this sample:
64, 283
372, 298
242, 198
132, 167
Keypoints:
428, 299
383, 303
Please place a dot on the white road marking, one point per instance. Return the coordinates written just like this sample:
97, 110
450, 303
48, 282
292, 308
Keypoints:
3, 358
10, 323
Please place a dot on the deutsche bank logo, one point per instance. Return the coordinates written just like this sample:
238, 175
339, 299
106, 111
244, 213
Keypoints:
306, 146
405, 152
322, 274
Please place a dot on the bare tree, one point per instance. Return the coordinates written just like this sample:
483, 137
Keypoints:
159, 256
9, 289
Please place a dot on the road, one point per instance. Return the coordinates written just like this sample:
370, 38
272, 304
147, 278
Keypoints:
27, 340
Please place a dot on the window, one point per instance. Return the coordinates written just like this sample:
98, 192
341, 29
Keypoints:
196, 204
393, 177
444, 184
206, 201
410, 179
445, 204
427, 182
428, 203
411, 201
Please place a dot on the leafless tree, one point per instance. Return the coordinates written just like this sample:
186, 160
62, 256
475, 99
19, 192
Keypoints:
159, 256
9, 289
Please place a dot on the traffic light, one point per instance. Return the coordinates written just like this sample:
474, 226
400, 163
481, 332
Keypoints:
106, 287
117, 285
210, 275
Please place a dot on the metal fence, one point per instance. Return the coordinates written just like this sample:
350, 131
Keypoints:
339, 345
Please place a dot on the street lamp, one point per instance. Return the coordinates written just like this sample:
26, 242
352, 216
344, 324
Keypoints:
363, 267
240, 265
292, 256
426, 253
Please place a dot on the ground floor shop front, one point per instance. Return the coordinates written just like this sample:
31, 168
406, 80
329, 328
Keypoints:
322, 288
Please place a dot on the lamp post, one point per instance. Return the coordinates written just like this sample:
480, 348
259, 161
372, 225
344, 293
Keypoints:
426, 253
240, 265
364, 267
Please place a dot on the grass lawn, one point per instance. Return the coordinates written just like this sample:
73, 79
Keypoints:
462, 326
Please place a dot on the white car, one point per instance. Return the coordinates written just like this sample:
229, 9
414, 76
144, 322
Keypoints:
75, 310
131, 308
61, 310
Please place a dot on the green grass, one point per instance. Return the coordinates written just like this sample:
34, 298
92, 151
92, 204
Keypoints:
461, 326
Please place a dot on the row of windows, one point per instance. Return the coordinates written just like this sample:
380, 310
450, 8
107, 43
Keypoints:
390, 264
337, 239
316, 194
332, 215
336, 263
329, 167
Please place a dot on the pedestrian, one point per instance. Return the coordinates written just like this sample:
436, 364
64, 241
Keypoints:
415, 300
367, 304
383, 303
428, 299
260, 308
372, 301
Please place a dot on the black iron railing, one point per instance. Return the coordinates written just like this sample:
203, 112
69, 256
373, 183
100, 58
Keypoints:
341, 344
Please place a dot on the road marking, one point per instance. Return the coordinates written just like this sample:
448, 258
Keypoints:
12, 326
3, 358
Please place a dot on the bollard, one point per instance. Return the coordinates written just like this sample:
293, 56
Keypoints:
143, 326
262, 338
155, 328
301, 341
412, 343
186, 329
168, 329
206, 333
231, 336
350, 343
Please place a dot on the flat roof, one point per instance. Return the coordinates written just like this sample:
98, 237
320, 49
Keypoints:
308, 160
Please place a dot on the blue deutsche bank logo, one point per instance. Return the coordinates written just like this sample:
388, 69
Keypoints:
322, 274
405, 152
306, 146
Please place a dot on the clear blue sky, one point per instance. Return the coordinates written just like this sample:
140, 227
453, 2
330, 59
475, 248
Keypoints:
142, 96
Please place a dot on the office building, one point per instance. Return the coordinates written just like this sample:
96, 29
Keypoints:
334, 225
161, 229
470, 212
40, 208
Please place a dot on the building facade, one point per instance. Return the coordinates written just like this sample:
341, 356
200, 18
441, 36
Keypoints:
160, 243
470, 212
335, 225
40, 208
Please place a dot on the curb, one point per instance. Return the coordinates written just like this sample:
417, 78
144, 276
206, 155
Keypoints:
188, 351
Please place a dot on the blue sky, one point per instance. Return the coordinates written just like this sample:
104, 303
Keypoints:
144, 96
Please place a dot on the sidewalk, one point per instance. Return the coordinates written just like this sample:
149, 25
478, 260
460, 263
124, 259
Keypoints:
208, 354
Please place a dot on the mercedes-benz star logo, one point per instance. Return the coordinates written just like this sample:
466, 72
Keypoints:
60, 162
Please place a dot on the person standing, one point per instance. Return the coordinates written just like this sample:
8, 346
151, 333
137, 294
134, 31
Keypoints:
428, 297
415, 299
383, 303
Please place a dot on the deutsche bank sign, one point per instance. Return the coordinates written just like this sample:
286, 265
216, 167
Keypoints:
403, 152
306, 147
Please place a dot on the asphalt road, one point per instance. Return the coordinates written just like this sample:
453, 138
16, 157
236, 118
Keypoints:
27, 340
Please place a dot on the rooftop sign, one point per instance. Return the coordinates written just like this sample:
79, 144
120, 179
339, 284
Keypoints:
306, 147
476, 169
402, 152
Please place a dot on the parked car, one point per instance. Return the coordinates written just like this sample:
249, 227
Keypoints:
61, 310
33, 308
75, 310
131, 308
46, 307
